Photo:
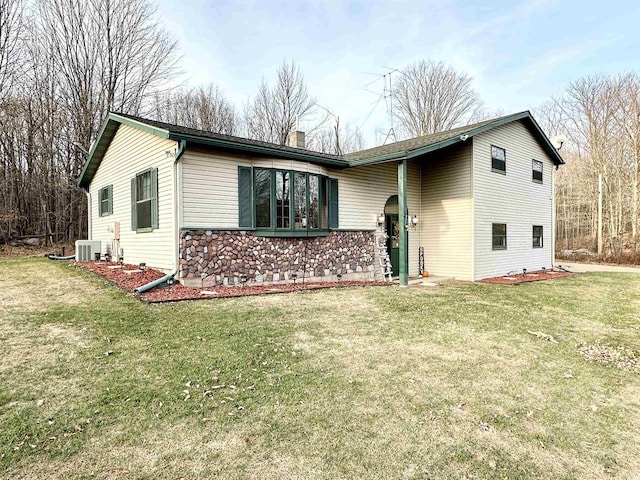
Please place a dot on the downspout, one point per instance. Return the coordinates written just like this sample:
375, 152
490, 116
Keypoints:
177, 190
88, 213
155, 283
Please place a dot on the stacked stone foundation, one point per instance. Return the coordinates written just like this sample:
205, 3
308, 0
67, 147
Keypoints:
210, 258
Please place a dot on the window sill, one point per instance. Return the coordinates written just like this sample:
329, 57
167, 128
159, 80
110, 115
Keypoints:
144, 230
537, 181
291, 233
498, 248
501, 172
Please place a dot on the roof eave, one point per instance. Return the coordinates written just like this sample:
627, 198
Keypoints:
105, 136
264, 150
526, 115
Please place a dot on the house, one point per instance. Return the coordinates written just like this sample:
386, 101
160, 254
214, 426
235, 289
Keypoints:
478, 202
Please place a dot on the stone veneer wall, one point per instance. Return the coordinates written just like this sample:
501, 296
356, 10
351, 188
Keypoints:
209, 258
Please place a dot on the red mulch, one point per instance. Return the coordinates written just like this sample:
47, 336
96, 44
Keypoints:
527, 277
177, 292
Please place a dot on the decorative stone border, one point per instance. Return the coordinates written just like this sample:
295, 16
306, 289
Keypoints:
209, 258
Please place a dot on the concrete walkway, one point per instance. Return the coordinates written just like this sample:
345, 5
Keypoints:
596, 267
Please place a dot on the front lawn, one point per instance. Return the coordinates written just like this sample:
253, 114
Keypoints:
461, 381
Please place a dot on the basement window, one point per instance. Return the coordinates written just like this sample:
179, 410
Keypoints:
538, 236
536, 171
499, 236
498, 159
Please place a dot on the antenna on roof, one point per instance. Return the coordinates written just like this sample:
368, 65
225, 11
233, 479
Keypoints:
391, 134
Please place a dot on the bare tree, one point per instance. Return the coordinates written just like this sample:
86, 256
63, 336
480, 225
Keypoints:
431, 97
77, 60
337, 140
628, 119
600, 117
204, 108
11, 22
276, 109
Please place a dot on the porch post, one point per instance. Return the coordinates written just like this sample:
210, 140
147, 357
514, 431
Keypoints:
402, 218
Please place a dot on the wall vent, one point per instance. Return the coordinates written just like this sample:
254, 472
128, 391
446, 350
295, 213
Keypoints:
86, 250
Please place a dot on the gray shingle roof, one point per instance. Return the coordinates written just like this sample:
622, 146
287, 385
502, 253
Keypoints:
404, 149
178, 130
415, 143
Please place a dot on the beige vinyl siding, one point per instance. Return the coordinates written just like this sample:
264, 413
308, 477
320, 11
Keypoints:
210, 186
364, 191
514, 199
446, 222
133, 151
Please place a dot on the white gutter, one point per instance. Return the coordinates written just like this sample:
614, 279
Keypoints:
177, 194
88, 214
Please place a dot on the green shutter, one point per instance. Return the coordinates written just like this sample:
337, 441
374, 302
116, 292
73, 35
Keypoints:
110, 200
134, 204
154, 198
245, 197
333, 203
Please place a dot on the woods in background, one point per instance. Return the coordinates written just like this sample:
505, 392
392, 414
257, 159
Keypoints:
600, 115
65, 63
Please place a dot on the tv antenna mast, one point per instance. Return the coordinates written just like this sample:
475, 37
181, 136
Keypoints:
391, 134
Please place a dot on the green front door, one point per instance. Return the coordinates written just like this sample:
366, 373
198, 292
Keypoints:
393, 242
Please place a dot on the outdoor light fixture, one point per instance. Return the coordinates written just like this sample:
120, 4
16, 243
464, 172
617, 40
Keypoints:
97, 256
380, 219
243, 279
107, 257
294, 277
414, 220
142, 266
339, 276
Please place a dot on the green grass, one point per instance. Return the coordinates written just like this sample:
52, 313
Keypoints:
351, 383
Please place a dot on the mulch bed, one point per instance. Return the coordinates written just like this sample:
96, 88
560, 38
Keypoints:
526, 277
177, 292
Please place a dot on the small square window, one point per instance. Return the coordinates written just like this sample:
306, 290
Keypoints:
498, 159
536, 169
499, 236
538, 236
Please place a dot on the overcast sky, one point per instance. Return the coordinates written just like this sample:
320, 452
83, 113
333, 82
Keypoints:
518, 53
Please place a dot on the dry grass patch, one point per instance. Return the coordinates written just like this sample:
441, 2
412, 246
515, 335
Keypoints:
355, 383
27, 286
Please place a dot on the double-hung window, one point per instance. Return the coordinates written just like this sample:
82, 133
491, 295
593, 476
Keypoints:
499, 236
498, 159
105, 199
538, 236
536, 170
286, 202
144, 201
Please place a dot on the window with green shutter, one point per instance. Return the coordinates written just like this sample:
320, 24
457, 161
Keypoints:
286, 202
245, 197
105, 200
333, 203
144, 201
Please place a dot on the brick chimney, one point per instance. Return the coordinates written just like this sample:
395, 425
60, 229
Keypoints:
296, 139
